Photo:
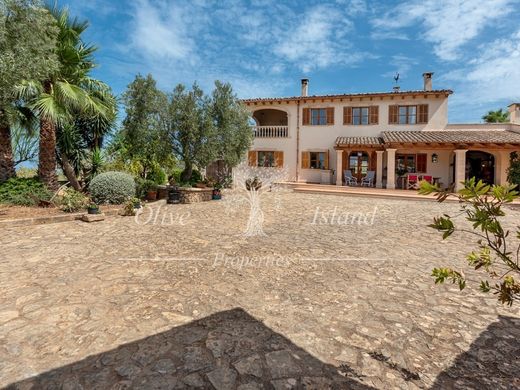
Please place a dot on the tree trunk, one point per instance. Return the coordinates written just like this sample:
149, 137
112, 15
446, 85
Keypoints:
6, 150
255, 223
68, 170
187, 172
47, 157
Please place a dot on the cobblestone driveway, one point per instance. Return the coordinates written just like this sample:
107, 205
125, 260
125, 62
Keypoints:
125, 305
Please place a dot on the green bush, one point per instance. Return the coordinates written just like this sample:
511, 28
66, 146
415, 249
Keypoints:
143, 186
112, 187
513, 172
23, 191
176, 175
72, 200
157, 175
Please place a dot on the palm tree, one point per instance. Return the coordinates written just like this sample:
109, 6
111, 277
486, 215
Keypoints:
6, 151
66, 94
498, 116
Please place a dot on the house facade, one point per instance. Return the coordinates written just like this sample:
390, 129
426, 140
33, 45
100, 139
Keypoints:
394, 133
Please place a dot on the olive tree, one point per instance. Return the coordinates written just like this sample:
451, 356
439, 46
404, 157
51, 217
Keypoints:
204, 128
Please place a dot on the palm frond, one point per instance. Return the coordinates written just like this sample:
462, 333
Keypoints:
28, 90
69, 95
47, 107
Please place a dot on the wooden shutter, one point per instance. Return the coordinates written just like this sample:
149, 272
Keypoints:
278, 159
330, 115
306, 160
306, 117
393, 115
373, 115
347, 115
422, 116
326, 161
421, 165
252, 158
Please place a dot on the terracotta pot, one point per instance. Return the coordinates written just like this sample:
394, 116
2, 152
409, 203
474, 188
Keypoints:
151, 195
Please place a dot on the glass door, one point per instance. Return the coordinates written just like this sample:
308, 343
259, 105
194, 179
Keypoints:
359, 164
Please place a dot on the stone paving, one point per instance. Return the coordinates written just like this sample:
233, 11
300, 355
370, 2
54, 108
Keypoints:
191, 303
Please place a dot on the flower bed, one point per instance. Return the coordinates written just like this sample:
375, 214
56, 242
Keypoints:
23, 212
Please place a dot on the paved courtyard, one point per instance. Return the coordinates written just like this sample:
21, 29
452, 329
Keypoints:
191, 303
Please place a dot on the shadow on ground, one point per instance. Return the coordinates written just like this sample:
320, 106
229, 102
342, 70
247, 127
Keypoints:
492, 361
233, 350
223, 351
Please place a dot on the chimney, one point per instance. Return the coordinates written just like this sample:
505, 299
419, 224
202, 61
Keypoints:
514, 113
305, 87
427, 77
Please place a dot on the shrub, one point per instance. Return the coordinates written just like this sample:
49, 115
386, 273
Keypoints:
23, 192
112, 187
72, 200
157, 175
176, 175
143, 186
513, 172
196, 177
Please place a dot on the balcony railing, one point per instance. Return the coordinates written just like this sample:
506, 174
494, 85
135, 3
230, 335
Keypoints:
271, 131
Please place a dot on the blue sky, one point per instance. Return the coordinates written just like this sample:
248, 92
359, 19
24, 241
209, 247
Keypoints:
264, 47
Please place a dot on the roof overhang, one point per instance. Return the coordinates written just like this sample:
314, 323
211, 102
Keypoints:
350, 97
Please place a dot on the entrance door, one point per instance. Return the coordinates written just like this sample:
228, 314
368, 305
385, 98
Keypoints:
481, 166
359, 164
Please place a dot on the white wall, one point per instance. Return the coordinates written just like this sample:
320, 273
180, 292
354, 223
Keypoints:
324, 137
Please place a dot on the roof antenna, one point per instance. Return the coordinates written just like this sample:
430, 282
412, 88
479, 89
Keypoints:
396, 79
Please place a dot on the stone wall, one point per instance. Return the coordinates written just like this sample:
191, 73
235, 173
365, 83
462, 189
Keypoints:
195, 195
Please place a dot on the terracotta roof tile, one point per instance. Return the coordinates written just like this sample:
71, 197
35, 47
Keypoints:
348, 95
359, 141
452, 136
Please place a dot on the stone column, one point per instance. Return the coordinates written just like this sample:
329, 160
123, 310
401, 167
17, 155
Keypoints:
339, 167
502, 162
390, 169
379, 168
460, 168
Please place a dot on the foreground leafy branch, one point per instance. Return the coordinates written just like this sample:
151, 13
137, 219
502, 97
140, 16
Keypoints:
498, 253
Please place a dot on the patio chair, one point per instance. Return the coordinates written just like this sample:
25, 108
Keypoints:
368, 180
412, 181
428, 178
349, 179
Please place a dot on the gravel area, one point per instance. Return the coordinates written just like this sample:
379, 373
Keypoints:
179, 298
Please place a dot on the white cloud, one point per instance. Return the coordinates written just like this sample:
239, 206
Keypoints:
400, 64
318, 40
161, 30
493, 76
387, 34
448, 24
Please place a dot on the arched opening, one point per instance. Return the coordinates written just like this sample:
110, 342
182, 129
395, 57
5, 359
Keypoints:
480, 165
270, 117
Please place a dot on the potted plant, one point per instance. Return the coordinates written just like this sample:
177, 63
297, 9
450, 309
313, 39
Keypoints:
217, 194
136, 203
93, 208
151, 193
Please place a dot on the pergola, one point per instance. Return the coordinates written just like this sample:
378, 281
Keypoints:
500, 142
